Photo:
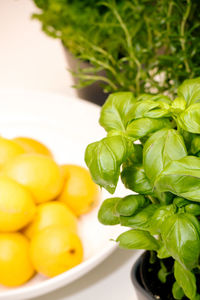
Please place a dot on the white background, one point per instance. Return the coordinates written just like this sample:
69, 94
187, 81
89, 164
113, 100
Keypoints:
31, 60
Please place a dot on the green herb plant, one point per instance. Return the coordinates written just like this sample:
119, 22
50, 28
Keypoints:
143, 46
153, 143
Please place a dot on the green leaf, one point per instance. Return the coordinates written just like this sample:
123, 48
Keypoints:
136, 155
133, 175
165, 198
180, 234
189, 120
156, 98
137, 239
190, 91
180, 202
149, 109
185, 279
144, 126
107, 214
141, 220
135, 179
159, 218
104, 159
178, 105
130, 204
162, 147
115, 111
193, 209
181, 177
177, 291
162, 252
195, 144
163, 273
188, 137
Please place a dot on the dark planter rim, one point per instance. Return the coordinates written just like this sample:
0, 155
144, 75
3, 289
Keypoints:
135, 273
94, 92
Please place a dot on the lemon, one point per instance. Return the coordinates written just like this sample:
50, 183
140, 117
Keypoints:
55, 250
8, 150
51, 213
15, 263
80, 193
17, 207
39, 173
32, 146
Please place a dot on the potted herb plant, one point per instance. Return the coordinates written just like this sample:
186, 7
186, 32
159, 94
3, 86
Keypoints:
153, 144
138, 46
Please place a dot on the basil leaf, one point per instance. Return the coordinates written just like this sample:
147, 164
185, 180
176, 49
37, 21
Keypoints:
195, 145
181, 177
149, 109
187, 137
136, 155
193, 209
141, 220
135, 179
129, 205
156, 98
180, 234
177, 291
189, 120
180, 202
162, 147
137, 239
162, 252
165, 198
107, 214
159, 218
163, 273
190, 91
115, 111
178, 105
144, 126
185, 279
104, 159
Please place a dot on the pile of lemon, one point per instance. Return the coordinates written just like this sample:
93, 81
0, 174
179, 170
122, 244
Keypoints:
40, 203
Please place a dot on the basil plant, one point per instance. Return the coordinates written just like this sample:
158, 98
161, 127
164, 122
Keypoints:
153, 144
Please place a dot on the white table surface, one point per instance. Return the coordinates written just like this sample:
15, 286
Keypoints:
31, 60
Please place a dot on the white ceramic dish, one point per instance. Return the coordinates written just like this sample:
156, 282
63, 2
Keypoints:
66, 125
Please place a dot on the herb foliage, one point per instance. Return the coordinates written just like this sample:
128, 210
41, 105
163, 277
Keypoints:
163, 171
143, 46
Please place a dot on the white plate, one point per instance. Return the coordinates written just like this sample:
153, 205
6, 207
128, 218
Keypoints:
66, 125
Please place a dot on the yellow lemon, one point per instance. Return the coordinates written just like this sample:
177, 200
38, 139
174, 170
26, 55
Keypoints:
39, 173
15, 263
64, 171
32, 146
17, 207
55, 250
51, 213
80, 193
8, 150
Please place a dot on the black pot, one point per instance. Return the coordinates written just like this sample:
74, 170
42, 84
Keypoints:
144, 276
94, 92
141, 292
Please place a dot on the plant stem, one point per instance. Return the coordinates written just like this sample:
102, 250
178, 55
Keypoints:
152, 199
133, 58
168, 23
148, 31
182, 38
96, 78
